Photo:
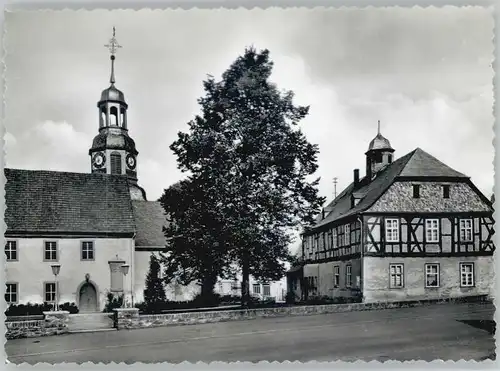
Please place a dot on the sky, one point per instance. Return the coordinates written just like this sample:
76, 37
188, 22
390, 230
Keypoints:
425, 73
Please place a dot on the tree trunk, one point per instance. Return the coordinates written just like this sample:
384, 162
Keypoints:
245, 286
207, 290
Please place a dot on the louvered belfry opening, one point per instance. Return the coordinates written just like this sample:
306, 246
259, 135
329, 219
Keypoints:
116, 164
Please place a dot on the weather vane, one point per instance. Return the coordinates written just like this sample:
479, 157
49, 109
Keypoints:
113, 45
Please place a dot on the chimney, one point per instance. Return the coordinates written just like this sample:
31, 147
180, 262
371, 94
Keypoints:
356, 177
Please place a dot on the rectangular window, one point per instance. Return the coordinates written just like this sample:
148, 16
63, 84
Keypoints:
11, 250
50, 292
466, 230
392, 230
446, 191
329, 243
87, 250
341, 234
336, 276
348, 275
432, 230
334, 238
432, 275
466, 274
11, 293
266, 289
397, 276
50, 253
347, 232
416, 191
256, 288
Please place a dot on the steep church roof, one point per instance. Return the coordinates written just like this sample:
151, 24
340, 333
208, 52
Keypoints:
417, 163
43, 202
150, 220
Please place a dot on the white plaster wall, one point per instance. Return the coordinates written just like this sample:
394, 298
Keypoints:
30, 271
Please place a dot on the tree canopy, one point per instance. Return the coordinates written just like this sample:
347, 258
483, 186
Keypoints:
249, 165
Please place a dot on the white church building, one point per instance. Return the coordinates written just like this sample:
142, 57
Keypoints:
95, 226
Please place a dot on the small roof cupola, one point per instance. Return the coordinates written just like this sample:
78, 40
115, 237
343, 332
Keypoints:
379, 154
113, 150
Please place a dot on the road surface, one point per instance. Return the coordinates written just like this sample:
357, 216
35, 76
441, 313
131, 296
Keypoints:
446, 331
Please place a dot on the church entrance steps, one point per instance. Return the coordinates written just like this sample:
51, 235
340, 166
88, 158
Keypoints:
90, 321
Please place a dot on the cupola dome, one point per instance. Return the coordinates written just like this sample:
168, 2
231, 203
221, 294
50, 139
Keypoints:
112, 94
379, 142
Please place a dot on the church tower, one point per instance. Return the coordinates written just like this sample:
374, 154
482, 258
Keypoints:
379, 154
113, 151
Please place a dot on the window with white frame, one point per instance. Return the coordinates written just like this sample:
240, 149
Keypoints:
11, 293
50, 292
256, 288
11, 250
334, 238
397, 276
87, 250
336, 276
466, 274
392, 230
465, 230
432, 275
348, 275
266, 290
50, 252
432, 230
347, 233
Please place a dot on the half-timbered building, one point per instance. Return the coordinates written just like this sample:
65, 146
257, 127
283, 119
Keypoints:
412, 228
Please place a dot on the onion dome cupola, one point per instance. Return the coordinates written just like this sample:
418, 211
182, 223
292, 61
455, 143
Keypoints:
379, 154
113, 150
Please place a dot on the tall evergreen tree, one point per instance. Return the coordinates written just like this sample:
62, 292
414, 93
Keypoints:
154, 293
247, 147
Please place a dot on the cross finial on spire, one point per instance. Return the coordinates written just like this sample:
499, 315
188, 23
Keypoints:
113, 46
378, 127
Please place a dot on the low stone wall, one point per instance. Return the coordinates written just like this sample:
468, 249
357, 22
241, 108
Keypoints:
129, 318
54, 323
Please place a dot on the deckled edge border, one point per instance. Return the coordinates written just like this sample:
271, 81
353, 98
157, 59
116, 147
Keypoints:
21, 5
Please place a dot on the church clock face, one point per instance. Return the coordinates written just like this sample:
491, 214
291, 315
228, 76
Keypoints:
98, 160
131, 162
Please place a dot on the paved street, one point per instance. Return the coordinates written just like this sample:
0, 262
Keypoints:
428, 333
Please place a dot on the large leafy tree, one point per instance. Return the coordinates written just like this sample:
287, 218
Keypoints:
196, 249
247, 148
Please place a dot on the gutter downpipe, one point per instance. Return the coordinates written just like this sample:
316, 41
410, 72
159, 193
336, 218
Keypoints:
362, 248
132, 273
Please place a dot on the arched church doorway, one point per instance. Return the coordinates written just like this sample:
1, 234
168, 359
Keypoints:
88, 298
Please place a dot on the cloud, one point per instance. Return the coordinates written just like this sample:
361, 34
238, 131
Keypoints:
10, 140
57, 146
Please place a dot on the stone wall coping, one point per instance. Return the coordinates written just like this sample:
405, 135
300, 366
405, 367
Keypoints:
53, 312
126, 309
312, 308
